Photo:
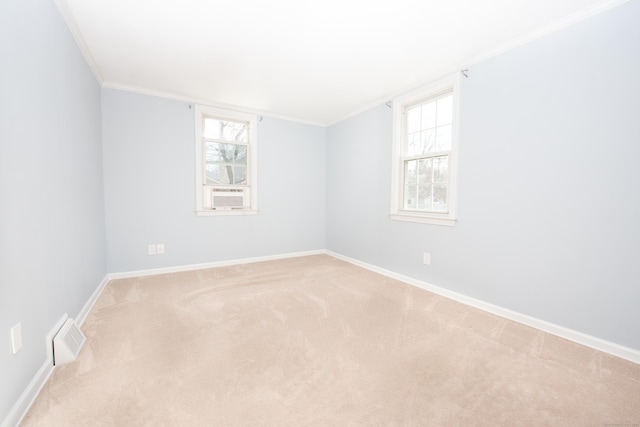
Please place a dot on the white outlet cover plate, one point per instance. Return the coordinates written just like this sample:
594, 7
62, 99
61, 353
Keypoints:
426, 258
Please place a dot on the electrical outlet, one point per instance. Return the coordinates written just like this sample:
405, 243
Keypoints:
426, 258
152, 249
160, 248
16, 338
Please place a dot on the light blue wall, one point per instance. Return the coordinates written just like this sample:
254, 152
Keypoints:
149, 159
52, 237
549, 212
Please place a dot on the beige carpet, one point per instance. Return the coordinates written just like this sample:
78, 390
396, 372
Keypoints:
315, 341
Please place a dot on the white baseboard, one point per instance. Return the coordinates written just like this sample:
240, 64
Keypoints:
189, 267
80, 318
20, 408
566, 333
26, 399
28, 396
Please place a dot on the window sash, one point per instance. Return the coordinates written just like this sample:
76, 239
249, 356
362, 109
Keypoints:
421, 193
230, 166
425, 147
226, 152
426, 189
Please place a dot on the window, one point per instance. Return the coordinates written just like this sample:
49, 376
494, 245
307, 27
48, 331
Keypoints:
225, 162
424, 154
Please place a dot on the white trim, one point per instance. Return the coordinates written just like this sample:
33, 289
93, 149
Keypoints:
228, 213
451, 83
26, 399
424, 219
369, 106
534, 35
190, 267
28, 396
599, 344
207, 102
22, 405
202, 111
68, 18
551, 28
82, 316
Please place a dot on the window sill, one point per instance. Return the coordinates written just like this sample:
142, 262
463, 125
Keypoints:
227, 213
424, 219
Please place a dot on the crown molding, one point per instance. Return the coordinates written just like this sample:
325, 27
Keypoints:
551, 28
202, 101
68, 18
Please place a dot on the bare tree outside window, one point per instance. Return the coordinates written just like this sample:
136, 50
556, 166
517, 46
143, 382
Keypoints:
225, 152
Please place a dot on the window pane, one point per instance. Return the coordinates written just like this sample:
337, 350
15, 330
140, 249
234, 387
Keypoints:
427, 141
421, 142
413, 119
224, 174
410, 172
410, 197
225, 163
439, 198
425, 172
219, 174
445, 110
213, 151
424, 198
425, 184
240, 154
440, 169
443, 138
425, 177
240, 132
211, 128
225, 153
240, 175
234, 131
227, 131
413, 144
429, 115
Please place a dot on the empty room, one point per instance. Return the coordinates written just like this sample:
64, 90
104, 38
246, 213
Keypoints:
408, 213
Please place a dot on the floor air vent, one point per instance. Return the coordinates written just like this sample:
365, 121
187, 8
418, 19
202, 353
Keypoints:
67, 343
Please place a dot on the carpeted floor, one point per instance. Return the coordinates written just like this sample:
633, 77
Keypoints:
315, 341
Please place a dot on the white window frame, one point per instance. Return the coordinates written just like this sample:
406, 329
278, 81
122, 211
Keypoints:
400, 104
202, 112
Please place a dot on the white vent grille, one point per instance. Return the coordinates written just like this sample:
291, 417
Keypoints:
67, 343
225, 199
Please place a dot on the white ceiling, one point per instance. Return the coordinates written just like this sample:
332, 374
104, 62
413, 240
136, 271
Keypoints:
311, 61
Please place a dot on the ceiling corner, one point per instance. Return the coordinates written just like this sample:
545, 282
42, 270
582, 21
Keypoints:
68, 18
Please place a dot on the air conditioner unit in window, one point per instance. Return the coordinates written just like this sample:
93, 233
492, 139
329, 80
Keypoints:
229, 198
